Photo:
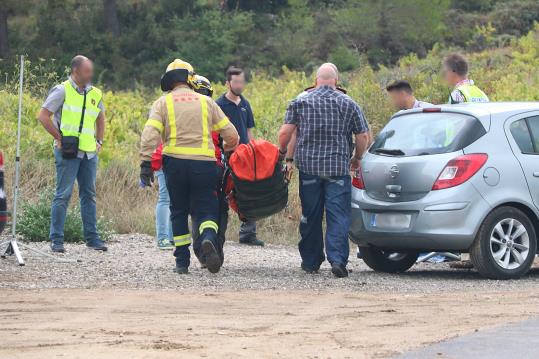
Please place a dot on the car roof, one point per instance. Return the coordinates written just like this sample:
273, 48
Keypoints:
494, 108
483, 109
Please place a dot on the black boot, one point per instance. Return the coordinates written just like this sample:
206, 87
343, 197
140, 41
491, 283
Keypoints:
183, 259
339, 270
210, 250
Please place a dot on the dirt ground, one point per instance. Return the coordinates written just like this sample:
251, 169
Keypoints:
102, 323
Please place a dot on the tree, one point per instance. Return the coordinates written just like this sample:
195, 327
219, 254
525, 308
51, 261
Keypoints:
110, 13
4, 44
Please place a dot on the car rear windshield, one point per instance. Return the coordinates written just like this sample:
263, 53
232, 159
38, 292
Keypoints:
421, 134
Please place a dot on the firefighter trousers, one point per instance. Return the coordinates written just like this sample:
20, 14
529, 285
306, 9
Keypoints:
191, 186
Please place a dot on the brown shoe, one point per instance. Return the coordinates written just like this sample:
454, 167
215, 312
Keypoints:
467, 264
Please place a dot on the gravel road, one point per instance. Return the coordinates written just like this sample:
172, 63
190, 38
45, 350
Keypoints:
128, 303
133, 262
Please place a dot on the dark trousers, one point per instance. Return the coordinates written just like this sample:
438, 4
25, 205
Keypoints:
222, 217
332, 194
191, 187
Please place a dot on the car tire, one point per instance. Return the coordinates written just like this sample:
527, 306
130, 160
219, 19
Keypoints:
493, 251
388, 261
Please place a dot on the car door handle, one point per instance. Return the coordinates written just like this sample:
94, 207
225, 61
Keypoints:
536, 174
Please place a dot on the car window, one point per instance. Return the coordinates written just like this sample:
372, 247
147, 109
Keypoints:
526, 134
533, 124
420, 134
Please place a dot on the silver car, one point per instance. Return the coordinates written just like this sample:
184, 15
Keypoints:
451, 178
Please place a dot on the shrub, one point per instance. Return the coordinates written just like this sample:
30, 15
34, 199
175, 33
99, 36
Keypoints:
34, 221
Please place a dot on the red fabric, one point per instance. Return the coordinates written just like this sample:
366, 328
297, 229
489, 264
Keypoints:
229, 193
254, 161
157, 158
218, 153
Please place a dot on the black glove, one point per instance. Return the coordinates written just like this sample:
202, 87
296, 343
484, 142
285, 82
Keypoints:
146, 174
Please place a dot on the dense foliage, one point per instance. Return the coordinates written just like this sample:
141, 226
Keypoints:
506, 74
133, 40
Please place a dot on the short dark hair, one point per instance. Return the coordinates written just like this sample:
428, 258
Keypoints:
456, 63
233, 71
400, 85
77, 61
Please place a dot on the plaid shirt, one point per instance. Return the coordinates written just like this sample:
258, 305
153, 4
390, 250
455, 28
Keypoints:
325, 120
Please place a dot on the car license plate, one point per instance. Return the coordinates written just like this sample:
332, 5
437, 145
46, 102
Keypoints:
391, 220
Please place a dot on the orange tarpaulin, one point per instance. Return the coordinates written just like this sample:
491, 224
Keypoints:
254, 161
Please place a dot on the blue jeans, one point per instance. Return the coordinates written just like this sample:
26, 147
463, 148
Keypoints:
163, 227
332, 194
67, 171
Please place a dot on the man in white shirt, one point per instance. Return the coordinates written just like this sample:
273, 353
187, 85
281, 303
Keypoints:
402, 96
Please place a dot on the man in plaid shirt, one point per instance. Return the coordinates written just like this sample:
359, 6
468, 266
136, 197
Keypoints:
326, 121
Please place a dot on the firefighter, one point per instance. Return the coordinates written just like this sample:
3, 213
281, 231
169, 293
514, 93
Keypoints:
184, 120
203, 86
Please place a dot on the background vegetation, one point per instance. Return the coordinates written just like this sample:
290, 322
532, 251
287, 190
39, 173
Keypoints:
132, 41
374, 42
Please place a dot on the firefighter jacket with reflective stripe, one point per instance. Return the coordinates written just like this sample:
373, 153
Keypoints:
74, 110
184, 120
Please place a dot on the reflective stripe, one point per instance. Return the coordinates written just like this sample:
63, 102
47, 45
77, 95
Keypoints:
204, 108
72, 108
72, 128
87, 131
92, 112
208, 224
171, 121
189, 151
78, 109
472, 93
182, 240
155, 124
221, 124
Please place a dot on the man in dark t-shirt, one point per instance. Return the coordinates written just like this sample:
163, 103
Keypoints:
239, 112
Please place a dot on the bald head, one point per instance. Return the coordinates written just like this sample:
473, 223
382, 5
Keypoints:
327, 75
82, 70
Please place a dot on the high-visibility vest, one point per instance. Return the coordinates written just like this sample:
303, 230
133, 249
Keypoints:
72, 115
471, 93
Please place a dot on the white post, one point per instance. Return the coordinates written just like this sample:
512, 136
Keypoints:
18, 155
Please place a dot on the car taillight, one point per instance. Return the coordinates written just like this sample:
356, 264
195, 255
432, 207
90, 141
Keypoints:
357, 180
459, 170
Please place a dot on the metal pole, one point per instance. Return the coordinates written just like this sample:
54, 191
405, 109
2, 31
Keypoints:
18, 155
13, 247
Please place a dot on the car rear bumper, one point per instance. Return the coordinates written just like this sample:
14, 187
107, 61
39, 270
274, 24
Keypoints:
442, 220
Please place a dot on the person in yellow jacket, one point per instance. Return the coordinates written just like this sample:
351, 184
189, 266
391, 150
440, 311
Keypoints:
184, 120
455, 71
74, 115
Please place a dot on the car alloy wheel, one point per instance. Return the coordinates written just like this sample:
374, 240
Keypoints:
505, 245
509, 243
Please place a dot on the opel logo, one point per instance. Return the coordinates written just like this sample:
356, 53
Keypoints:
394, 171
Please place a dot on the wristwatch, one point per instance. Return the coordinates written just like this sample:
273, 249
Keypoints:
289, 160
99, 142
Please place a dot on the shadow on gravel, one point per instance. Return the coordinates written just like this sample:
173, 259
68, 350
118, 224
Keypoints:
445, 274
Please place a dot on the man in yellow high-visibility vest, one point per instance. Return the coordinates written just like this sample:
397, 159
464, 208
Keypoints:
79, 115
455, 71
183, 120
